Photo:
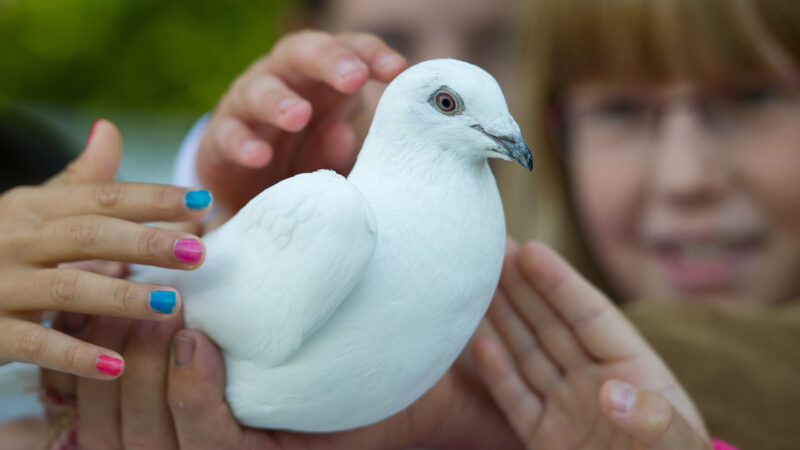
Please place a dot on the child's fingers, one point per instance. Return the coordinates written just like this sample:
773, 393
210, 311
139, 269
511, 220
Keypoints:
98, 414
58, 388
551, 332
336, 144
648, 418
585, 309
37, 344
196, 394
137, 202
86, 292
183, 227
98, 237
531, 359
265, 99
317, 56
111, 269
383, 61
231, 140
146, 420
521, 406
99, 160
331, 145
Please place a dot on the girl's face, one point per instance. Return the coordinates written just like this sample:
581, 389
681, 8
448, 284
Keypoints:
690, 191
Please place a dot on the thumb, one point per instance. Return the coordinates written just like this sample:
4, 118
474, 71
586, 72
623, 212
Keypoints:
195, 392
648, 418
100, 159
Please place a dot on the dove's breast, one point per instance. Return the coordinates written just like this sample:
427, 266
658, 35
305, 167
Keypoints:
279, 269
432, 275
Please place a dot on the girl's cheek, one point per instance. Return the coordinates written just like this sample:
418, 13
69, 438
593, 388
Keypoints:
771, 178
606, 196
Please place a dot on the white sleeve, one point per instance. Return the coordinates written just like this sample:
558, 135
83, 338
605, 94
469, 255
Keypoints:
184, 172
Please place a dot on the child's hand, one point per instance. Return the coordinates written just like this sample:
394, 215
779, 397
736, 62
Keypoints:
581, 376
287, 113
82, 214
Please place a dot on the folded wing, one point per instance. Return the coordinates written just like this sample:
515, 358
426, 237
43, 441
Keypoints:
279, 269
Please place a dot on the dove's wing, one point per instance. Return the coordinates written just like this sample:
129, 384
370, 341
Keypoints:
277, 271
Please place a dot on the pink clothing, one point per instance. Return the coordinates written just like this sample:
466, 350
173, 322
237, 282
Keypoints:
721, 445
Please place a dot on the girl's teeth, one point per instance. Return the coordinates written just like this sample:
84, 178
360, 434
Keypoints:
699, 251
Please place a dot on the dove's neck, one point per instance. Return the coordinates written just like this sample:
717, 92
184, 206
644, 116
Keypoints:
407, 161
410, 184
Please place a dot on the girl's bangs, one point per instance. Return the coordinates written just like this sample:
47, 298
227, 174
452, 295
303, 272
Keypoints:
661, 40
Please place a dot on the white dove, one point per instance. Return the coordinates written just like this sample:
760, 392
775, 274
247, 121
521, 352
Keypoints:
338, 302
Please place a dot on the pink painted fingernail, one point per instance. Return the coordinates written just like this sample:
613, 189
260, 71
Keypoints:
91, 132
188, 250
108, 365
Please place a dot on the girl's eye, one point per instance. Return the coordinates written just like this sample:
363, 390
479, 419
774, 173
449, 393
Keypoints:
445, 102
753, 96
620, 109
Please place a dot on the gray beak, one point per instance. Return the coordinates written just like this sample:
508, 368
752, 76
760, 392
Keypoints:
511, 146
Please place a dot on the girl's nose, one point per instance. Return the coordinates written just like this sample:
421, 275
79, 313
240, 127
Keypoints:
689, 168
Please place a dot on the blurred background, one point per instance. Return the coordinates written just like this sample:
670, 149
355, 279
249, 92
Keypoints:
150, 66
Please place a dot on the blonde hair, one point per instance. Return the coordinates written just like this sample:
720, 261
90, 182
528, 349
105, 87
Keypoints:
570, 41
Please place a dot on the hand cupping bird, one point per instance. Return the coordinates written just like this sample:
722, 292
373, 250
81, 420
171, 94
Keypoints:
338, 302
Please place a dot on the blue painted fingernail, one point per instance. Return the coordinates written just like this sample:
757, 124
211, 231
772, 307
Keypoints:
198, 199
163, 301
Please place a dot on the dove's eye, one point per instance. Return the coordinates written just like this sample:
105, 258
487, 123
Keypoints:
447, 101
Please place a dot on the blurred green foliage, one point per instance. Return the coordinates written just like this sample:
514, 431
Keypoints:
131, 54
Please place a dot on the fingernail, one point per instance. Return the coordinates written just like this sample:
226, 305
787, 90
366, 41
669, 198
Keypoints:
251, 147
197, 199
91, 132
387, 60
622, 396
287, 103
347, 66
184, 350
108, 365
188, 250
163, 301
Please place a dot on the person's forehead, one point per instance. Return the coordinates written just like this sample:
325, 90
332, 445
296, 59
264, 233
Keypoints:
418, 14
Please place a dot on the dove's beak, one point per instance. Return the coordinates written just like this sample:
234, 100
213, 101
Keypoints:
515, 148
512, 146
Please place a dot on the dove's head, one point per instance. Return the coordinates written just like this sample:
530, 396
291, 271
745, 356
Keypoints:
446, 105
